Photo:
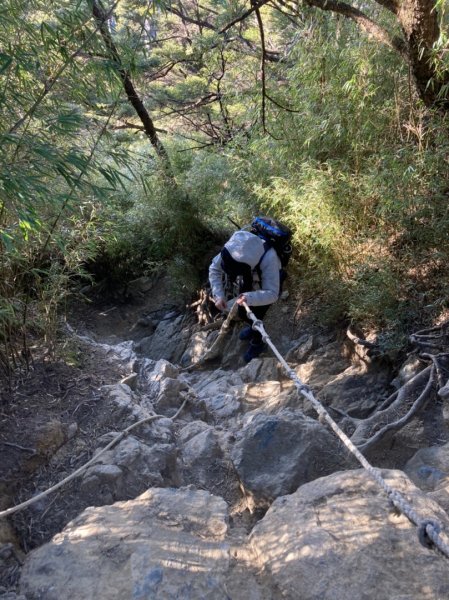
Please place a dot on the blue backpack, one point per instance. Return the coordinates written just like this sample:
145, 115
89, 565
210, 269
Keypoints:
275, 235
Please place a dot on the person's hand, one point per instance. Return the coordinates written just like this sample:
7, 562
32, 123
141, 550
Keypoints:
241, 299
220, 303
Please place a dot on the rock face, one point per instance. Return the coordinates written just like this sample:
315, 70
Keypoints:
165, 544
337, 538
168, 341
276, 453
355, 391
128, 469
429, 468
244, 435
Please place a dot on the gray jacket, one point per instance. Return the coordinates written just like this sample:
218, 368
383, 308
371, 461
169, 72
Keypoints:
249, 248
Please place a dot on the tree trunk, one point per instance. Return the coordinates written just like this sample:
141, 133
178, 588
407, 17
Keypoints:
419, 22
131, 93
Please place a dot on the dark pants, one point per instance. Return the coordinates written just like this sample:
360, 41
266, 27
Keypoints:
259, 313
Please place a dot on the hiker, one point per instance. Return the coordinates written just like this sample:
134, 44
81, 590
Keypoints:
250, 263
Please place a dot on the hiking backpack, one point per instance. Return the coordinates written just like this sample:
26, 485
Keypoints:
239, 276
276, 235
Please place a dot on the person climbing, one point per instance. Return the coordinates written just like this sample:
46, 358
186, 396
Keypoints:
249, 269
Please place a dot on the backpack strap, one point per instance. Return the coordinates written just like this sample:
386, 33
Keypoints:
282, 272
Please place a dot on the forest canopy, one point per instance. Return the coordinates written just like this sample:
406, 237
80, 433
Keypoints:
132, 131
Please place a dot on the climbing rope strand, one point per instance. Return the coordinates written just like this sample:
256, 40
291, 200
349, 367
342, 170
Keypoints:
118, 438
428, 529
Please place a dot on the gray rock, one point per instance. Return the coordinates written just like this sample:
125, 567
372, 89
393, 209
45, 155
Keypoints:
152, 373
206, 464
260, 369
275, 454
429, 468
163, 545
441, 495
169, 341
128, 469
171, 395
191, 430
356, 391
301, 349
202, 449
199, 343
270, 397
130, 381
323, 365
144, 345
122, 352
337, 538
444, 391
202, 456
122, 406
221, 393
221, 406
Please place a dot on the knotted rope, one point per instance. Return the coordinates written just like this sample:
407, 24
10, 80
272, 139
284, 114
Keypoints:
428, 529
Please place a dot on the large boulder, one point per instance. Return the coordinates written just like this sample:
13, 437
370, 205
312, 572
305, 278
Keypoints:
163, 545
261, 369
274, 454
122, 406
338, 538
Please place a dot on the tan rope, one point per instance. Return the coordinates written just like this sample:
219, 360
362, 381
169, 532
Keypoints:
123, 434
429, 529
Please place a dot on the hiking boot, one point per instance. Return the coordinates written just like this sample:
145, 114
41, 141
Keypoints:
246, 333
253, 351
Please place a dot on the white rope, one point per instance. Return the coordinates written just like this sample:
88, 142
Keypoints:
429, 529
123, 434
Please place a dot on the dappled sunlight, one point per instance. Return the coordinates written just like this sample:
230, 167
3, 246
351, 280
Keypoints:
353, 532
164, 540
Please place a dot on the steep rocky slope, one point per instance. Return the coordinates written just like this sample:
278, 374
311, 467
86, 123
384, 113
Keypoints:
245, 494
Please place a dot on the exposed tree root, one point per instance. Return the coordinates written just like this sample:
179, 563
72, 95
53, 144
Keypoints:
371, 431
433, 338
413, 397
203, 308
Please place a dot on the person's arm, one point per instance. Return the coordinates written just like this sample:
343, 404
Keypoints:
270, 283
216, 282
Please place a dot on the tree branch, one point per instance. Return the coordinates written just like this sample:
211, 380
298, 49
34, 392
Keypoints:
370, 27
131, 93
191, 20
245, 15
262, 67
